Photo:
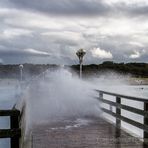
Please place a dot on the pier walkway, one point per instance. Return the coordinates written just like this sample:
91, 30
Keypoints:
82, 133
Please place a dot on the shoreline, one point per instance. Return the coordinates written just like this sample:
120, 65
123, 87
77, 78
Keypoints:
138, 81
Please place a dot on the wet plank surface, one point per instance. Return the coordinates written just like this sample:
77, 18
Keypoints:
81, 133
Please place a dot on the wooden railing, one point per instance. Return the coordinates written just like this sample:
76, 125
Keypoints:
14, 132
119, 117
17, 117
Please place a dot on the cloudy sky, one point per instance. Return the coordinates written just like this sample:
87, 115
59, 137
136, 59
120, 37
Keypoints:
51, 31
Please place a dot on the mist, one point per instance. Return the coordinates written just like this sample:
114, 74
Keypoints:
57, 96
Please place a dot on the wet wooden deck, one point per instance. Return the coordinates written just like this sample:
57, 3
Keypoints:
81, 133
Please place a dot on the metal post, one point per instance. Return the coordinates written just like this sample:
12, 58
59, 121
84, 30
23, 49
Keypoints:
80, 70
14, 124
145, 134
80, 53
21, 72
118, 121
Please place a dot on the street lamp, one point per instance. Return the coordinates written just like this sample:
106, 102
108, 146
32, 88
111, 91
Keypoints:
21, 71
80, 53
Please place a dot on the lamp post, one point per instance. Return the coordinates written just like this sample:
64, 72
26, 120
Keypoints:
80, 53
21, 72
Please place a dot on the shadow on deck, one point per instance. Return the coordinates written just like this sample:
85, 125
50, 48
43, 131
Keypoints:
82, 133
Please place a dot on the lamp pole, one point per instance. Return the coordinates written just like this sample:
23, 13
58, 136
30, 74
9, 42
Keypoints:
80, 53
21, 72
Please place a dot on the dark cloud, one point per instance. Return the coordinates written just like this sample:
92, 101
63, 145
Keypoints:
81, 7
28, 32
65, 7
132, 10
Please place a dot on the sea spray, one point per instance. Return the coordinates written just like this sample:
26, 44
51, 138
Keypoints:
61, 95
109, 81
58, 96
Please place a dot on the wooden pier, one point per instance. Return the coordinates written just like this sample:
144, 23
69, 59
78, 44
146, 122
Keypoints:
96, 132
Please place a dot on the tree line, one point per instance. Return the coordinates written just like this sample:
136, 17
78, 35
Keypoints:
134, 69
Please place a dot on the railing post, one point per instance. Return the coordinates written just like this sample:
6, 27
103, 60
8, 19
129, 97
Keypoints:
14, 124
100, 95
145, 134
118, 121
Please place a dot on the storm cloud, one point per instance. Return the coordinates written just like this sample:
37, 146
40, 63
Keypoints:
65, 7
87, 8
50, 31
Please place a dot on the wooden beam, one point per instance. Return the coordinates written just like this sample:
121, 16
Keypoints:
9, 133
124, 96
118, 121
145, 134
14, 124
127, 120
125, 107
9, 113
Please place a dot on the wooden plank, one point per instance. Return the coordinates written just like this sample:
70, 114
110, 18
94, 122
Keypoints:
118, 121
97, 134
9, 112
124, 96
125, 107
9, 133
15, 132
145, 134
14, 124
129, 121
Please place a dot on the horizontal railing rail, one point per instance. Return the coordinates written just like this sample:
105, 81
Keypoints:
9, 112
118, 115
10, 133
124, 96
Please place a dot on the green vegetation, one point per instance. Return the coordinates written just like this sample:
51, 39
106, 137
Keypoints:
29, 70
134, 69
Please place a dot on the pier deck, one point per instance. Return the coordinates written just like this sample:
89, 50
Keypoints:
82, 133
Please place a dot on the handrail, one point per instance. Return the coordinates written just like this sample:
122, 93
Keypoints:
13, 112
125, 107
124, 96
10, 133
119, 106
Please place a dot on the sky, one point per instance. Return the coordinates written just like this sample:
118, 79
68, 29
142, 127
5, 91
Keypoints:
51, 31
